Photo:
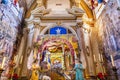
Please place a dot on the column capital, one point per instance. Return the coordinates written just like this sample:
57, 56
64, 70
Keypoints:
36, 24
80, 24
26, 30
89, 21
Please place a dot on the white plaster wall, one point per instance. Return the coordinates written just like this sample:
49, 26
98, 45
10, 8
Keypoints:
52, 4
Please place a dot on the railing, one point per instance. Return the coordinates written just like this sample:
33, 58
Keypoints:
67, 77
108, 77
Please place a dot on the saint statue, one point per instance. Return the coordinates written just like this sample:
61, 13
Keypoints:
35, 70
78, 68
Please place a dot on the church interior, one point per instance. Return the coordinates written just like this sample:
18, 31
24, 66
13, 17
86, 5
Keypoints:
47, 39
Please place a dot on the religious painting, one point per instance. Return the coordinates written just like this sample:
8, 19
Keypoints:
6, 38
111, 36
58, 45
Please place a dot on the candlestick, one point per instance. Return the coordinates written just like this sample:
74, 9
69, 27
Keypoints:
112, 60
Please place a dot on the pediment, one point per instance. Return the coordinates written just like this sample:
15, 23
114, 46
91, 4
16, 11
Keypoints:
76, 11
37, 10
44, 13
40, 11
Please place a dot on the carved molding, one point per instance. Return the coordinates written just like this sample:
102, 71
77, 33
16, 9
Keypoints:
26, 31
36, 25
40, 11
39, 2
80, 24
89, 21
75, 11
62, 24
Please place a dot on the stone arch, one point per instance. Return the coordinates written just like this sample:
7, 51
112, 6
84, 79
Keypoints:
63, 25
44, 44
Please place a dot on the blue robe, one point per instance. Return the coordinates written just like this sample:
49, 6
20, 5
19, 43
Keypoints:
4, 1
100, 1
79, 75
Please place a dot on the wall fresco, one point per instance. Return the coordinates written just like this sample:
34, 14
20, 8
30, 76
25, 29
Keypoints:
109, 33
10, 32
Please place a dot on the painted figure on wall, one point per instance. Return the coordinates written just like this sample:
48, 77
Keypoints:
4, 1
6, 39
118, 42
78, 68
67, 59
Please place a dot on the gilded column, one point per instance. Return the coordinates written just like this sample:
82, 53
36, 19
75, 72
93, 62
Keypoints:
96, 54
82, 46
88, 48
89, 53
92, 38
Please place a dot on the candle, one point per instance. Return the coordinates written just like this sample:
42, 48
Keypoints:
99, 57
3, 62
112, 60
21, 59
104, 70
94, 58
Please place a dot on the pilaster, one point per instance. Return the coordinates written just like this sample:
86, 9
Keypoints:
36, 31
82, 45
33, 26
86, 45
27, 48
21, 49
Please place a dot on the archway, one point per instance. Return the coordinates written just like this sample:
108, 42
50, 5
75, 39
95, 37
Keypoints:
62, 25
44, 44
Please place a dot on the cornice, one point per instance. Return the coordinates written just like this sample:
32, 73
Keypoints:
32, 19
76, 11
